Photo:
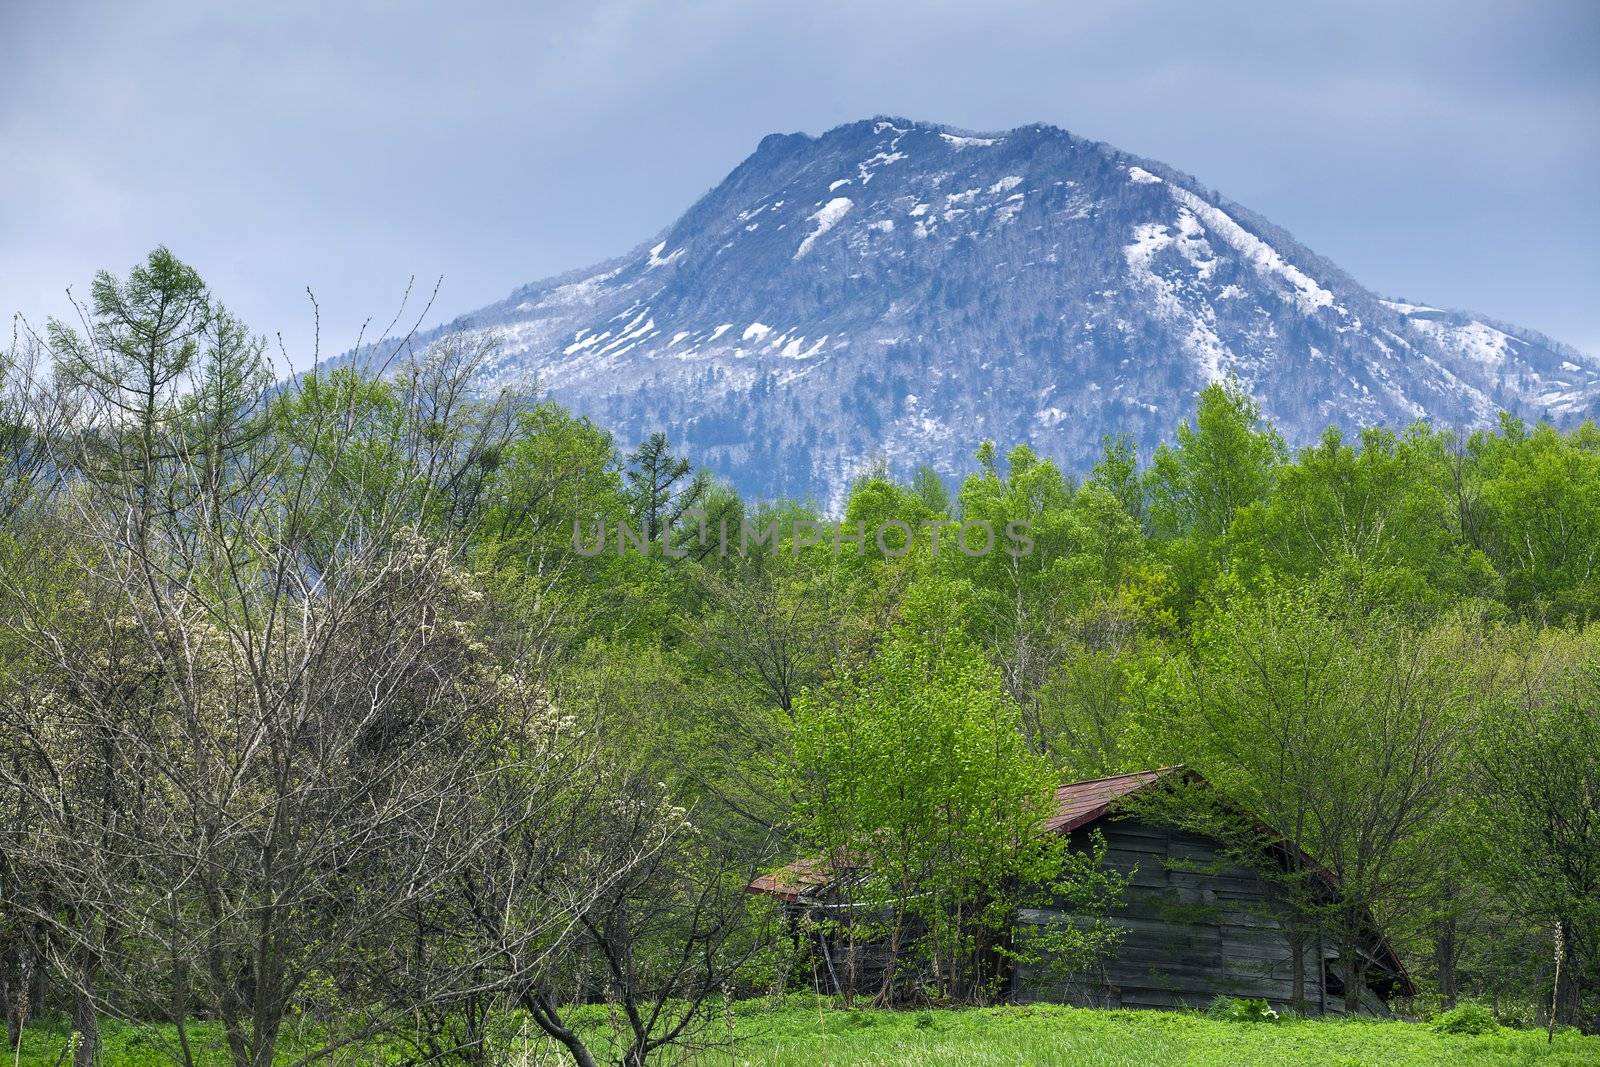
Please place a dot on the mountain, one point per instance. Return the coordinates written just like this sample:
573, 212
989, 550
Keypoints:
903, 290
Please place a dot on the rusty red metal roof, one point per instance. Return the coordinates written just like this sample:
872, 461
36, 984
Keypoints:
1080, 803
1077, 804
789, 883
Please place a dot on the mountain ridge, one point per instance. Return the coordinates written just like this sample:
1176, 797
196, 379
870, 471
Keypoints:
905, 290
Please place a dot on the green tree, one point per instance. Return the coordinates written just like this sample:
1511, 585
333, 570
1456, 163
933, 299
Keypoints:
1117, 472
1378, 514
1338, 724
917, 789
1536, 803
170, 385
931, 489
1538, 501
1227, 460
1224, 463
661, 488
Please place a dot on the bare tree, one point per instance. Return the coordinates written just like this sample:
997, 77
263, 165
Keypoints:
251, 774
33, 417
612, 874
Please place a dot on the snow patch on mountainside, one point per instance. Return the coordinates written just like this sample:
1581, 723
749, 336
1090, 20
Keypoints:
1308, 294
1406, 309
1196, 326
658, 260
958, 141
825, 220
1476, 341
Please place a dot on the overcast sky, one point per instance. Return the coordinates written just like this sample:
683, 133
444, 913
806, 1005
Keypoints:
1446, 152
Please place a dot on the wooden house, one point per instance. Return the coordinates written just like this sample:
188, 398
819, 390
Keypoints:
1196, 924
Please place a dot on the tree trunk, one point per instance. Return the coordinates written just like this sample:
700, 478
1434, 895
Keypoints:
265, 1042
85, 1020
1569, 997
852, 966
1446, 950
13, 994
11, 1005
1444, 960
38, 974
1297, 964
547, 1018
885, 997
268, 1003
1350, 961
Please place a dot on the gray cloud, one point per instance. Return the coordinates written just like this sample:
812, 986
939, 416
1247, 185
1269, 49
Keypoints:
1441, 151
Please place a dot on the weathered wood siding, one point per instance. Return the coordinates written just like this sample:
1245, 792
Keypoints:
1197, 926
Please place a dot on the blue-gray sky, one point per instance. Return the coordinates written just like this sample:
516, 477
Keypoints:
1442, 151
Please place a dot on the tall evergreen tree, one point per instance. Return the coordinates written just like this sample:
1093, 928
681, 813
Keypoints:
661, 488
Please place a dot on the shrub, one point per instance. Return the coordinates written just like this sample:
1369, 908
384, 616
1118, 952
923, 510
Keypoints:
1234, 1010
1467, 1018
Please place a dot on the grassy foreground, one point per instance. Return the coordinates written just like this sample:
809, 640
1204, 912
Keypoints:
1039, 1036
1059, 1037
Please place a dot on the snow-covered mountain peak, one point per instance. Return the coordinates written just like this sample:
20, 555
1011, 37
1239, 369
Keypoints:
906, 290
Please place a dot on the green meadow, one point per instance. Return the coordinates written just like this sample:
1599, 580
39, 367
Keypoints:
1041, 1035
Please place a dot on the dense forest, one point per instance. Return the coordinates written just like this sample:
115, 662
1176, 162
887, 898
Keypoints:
366, 705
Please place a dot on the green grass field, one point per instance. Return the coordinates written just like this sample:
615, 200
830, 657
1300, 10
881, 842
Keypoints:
1037, 1035
1047, 1035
